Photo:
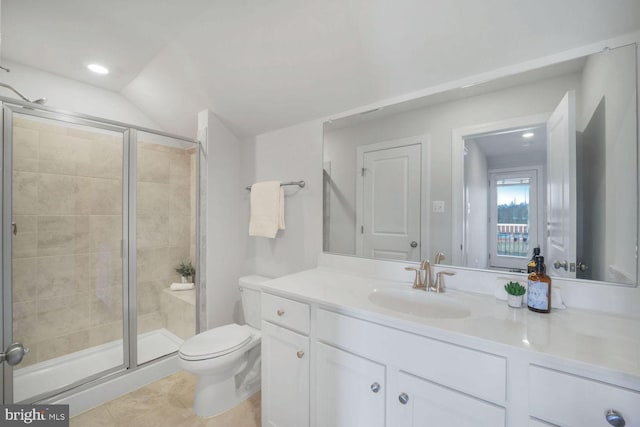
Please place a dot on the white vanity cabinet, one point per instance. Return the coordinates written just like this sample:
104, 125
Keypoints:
427, 381
421, 403
350, 390
285, 362
329, 366
564, 399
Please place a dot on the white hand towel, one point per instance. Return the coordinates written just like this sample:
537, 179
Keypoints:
267, 209
182, 286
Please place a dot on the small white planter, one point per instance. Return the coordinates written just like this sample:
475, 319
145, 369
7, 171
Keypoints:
515, 301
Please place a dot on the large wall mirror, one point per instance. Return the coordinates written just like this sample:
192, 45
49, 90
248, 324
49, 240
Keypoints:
483, 174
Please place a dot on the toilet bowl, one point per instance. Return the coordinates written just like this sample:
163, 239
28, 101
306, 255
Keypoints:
226, 359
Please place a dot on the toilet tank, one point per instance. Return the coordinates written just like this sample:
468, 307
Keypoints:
250, 287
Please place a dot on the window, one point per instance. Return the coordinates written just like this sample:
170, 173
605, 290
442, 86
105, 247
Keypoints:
513, 217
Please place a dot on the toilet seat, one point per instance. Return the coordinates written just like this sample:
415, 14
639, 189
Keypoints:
215, 342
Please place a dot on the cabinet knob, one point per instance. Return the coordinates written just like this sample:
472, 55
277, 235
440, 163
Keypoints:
403, 398
280, 312
300, 354
375, 387
614, 418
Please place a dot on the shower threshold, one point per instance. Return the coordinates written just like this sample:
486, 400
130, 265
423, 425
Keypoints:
62, 371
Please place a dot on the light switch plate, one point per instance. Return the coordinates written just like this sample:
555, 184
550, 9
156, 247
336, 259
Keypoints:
438, 206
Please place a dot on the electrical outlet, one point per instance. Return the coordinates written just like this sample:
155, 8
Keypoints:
438, 206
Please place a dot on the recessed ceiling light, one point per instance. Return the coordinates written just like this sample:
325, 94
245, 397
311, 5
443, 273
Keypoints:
98, 69
528, 135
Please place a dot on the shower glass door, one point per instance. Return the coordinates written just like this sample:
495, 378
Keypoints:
64, 228
164, 203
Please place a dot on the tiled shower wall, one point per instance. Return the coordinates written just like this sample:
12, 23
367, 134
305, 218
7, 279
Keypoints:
165, 221
67, 203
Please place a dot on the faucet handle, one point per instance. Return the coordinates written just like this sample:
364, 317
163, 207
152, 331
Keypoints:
439, 286
417, 282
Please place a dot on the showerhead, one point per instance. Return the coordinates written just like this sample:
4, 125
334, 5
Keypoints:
24, 98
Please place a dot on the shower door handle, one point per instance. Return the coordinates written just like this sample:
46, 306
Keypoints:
14, 228
14, 354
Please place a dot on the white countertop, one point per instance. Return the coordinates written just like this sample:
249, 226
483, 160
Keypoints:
601, 340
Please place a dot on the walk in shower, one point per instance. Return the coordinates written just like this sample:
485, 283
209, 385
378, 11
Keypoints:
96, 215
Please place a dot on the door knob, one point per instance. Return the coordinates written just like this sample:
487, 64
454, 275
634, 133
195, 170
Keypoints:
564, 264
280, 312
375, 387
300, 354
414, 244
614, 418
582, 266
14, 354
403, 398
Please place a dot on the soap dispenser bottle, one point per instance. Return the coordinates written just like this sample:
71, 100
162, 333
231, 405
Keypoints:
531, 266
539, 288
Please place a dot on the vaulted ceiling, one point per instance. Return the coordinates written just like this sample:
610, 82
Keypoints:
263, 65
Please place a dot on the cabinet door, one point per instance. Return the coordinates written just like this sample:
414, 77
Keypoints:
421, 403
350, 389
285, 377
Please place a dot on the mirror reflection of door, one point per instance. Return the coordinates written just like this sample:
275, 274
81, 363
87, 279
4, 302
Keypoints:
389, 188
504, 187
561, 193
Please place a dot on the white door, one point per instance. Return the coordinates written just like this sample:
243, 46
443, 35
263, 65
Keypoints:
421, 403
285, 377
350, 389
561, 188
391, 197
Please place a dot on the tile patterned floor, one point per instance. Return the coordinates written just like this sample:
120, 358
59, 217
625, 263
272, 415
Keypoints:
166, 403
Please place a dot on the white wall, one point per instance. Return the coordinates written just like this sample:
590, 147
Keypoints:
290, 154
438, 121
610, 76
71, 95
225, 246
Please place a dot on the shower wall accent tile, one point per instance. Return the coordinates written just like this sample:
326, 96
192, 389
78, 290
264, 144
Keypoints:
106, 332
153, 165
25, 243
63, 235
65, 344
25, 193
26, 143
105, 232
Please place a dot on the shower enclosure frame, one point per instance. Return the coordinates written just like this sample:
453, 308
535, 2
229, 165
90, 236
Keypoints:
128, 245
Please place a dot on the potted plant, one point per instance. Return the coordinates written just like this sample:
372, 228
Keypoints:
186, 271
515, 292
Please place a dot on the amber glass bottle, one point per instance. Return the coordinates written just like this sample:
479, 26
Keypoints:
539, 289
531, 266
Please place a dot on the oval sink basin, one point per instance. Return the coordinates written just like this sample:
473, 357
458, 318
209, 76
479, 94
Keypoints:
419, 303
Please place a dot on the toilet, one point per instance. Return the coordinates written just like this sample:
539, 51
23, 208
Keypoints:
226, 359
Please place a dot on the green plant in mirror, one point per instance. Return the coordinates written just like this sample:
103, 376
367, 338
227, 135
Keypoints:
515, 288
185, 269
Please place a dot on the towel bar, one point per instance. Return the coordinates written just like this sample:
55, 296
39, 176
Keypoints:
300, 184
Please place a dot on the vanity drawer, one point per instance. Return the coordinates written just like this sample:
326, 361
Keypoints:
569, 400
470, 371
285, 312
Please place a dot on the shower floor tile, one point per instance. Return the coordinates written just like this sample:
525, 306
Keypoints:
166, 403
